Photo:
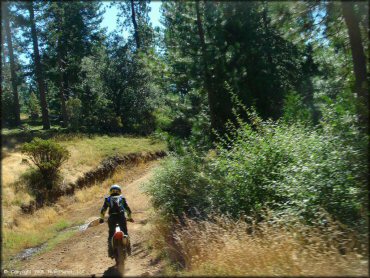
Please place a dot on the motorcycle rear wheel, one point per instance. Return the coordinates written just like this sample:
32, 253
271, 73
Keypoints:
120, 256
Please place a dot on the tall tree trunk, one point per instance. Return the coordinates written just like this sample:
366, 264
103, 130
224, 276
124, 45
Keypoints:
136, 30
207, 77
16, 108
61, 93
61, 69
359, 59
38, 69
3, 48
267, 35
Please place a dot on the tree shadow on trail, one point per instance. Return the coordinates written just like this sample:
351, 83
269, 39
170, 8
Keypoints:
112, 272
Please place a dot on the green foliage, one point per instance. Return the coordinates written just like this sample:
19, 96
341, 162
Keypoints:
281, 166
144, 30
295, 110
236, 34
74, 107
129, 86
291, 167
7, 116
263, 50
48, 156
44, 180
34, 109
43, 189
180, 186
71, 32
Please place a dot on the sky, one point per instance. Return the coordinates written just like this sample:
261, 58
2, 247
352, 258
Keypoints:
110, 16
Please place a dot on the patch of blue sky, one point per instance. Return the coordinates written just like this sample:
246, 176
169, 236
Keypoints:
111, 15
155, 13
318, 14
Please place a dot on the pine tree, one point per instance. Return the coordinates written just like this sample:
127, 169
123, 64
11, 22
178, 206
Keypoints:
208, 44
72, 31
134, 16
14, 81
38, 67
358, 58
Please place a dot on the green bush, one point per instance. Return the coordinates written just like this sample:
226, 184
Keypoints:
180, 186
292, 167
284, 167
48, 156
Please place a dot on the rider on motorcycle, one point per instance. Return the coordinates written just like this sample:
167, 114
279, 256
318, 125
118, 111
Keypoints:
117, 206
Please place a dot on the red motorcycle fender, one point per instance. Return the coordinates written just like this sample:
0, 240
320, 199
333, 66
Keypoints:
118, 235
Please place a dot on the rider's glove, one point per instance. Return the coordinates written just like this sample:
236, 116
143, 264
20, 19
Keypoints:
130, 219
101, 220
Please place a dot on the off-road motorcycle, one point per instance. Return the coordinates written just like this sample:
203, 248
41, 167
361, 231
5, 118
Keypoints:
121, 244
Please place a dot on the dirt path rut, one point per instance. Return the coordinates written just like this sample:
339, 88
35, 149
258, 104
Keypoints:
85, 254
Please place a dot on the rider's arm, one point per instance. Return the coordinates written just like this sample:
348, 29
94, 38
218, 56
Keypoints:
104, 208
127, 208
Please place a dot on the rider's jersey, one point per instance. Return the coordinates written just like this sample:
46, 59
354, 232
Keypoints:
116, 205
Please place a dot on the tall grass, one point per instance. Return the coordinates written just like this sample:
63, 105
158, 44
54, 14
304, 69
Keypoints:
224, 246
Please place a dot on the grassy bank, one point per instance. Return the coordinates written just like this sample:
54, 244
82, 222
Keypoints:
86, 153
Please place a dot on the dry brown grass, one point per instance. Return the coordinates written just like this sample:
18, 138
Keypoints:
226, 247
12, 167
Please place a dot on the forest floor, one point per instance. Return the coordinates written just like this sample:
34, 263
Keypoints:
85, 253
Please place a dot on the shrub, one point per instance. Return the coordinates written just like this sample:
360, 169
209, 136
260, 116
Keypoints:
43, 190
284, 167
180, 186
48, 157
291, 167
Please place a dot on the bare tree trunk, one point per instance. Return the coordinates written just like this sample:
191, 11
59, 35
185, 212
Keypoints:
61, 69
16, 108
207, 77
4, 53
61, 93
136, 30
359, 59
265, 23
38, 69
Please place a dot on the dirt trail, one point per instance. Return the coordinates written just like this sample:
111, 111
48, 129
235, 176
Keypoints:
85, 254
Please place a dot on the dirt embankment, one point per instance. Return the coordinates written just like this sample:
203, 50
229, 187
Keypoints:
85, 254
104, 171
